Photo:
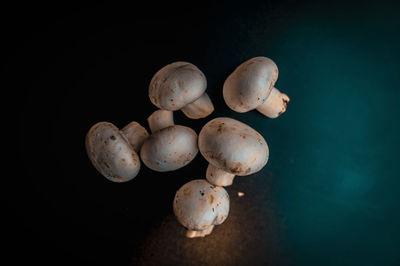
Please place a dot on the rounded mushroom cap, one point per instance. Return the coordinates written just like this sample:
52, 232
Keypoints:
110, 153
176, 85
250, 84
198, 205
233, 146
169, 148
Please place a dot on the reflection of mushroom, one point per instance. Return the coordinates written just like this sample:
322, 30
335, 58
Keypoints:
199, 206
251, 86
113, 152
170, 146
231, 148
181, 85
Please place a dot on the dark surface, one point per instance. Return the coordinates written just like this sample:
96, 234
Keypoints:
329, 193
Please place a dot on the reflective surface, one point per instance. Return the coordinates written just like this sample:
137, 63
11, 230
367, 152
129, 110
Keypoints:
329, 193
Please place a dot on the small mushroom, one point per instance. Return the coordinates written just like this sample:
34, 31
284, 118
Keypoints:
199, 205
113, 152
231, 148
251, 86
181, 85
170, 146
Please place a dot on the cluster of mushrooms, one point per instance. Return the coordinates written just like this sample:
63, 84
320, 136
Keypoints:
231, 148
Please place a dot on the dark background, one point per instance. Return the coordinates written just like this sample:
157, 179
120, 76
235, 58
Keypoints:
329, 193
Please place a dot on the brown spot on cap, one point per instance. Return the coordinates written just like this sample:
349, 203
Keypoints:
211, 199
236, 168
247, 170
187, 191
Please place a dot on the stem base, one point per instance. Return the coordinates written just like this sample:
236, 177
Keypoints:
274, 105
160, 119
200, 108
203, 233
218, 177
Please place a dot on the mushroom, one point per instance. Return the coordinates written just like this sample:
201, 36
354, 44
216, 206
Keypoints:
199, 205
181, 85
251, 86
231, 148
113, 152
170, 146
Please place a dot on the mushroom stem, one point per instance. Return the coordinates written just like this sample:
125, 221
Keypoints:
135, 134
160, 119
274, 105
202, 233
218, 177
200, 108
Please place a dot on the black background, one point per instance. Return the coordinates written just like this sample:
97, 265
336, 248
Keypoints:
70, 65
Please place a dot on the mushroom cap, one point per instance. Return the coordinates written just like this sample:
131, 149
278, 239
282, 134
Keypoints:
233, 146
250, 84
169, 148
110, 153
176, 85
198, 205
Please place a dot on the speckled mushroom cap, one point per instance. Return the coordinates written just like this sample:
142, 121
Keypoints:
176, 85
110, 153
199, 205
233, 146
250, 84
170, 148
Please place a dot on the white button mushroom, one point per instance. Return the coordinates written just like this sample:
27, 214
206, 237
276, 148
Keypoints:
170, 146
251, 86
231, 148
199, 205
181, 85
113, 152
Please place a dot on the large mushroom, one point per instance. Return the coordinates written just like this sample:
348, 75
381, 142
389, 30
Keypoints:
231, 148
170, 146
181, 85
113, 152
199, 205
251, 86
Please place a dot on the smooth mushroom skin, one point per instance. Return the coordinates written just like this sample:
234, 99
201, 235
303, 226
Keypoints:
218, 176
111, 153
180, 85
160, 119
232, 147
170, 148
199, 108
274, 105
199, 205
135, 134
202, 233
250, 85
